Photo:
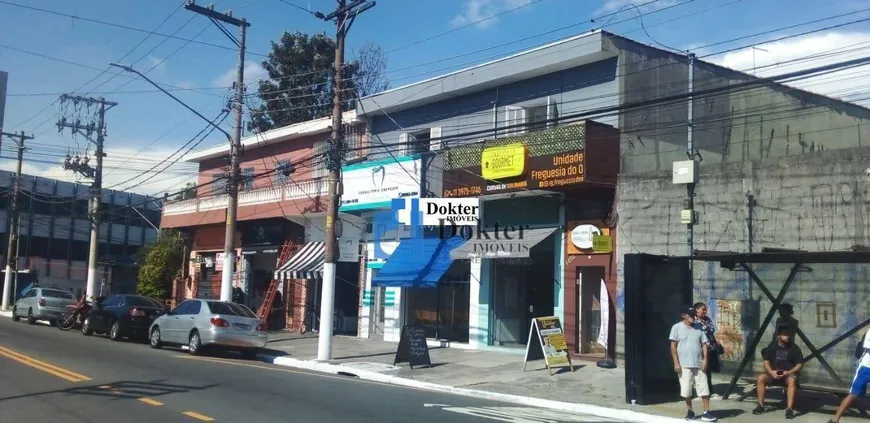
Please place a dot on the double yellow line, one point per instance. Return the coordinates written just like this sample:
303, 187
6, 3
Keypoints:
41, 365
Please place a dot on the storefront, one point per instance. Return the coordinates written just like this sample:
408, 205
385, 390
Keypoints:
524, 182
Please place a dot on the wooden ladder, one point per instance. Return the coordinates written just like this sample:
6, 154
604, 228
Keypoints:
266, 308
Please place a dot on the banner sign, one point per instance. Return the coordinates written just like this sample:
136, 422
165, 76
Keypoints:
551, 341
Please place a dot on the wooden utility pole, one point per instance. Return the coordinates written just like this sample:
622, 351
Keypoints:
235, 143
12, 249
344, 17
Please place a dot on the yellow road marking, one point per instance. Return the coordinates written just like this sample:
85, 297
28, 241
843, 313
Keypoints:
151, 401
116, 392
105, 387
198, 416
45, 367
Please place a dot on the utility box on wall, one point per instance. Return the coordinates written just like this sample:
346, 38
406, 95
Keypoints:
685, 172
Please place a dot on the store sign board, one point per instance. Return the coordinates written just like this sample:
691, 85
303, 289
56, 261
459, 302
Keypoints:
588, 237
551, 340
506, 161
546, 172
374, 186
602, 244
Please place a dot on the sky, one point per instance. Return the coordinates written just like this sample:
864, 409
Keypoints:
46, 55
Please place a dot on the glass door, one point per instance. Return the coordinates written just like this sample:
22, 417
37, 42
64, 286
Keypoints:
510, 312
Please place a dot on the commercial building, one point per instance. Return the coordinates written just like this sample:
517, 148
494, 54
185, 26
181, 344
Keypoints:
282, 199
751, 140
54, 230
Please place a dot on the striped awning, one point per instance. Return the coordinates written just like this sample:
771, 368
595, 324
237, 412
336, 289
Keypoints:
307, 263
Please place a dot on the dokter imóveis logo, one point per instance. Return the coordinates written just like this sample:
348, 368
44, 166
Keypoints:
418, 214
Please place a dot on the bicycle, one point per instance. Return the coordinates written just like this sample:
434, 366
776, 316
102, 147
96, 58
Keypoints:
312, 321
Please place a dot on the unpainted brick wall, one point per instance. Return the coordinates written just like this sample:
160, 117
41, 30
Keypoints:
813, 202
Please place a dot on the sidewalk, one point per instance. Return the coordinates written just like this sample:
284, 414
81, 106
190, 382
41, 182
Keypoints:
499, 376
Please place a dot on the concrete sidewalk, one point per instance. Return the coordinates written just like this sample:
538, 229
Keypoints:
499, 376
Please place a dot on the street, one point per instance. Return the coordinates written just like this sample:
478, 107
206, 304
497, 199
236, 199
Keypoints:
51, 376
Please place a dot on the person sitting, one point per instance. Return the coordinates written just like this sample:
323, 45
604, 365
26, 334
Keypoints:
782, 363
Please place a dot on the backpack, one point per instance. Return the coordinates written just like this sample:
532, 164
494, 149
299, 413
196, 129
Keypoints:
859, 349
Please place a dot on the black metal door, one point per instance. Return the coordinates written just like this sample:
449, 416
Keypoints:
656, 289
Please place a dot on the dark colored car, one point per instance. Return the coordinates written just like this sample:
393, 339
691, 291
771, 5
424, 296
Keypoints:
122, 316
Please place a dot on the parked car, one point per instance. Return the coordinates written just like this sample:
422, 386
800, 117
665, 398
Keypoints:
42, 304
201, 324
122, 316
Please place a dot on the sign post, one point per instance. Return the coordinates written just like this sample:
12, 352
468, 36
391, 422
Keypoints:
551, 340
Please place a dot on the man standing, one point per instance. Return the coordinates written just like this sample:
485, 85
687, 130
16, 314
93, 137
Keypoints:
689, 352
782, 362
859, 382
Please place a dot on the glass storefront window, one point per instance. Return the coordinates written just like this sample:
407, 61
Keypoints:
442, 311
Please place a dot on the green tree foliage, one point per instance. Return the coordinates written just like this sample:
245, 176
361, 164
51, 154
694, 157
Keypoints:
160, 264
299, 87
188, 192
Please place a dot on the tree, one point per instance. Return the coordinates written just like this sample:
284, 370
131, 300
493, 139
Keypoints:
299, 87
160, 264
188, 192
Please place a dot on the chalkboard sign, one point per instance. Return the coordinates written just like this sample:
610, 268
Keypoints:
413, 348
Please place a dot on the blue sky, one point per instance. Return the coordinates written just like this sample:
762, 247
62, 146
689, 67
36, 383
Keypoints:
141, 118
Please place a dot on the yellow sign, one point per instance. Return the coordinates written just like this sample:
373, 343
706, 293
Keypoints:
506, 161
552, 342
602, 244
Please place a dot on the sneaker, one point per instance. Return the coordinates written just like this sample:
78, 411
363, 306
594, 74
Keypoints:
708, 417
690, 415
789, 413
759, 409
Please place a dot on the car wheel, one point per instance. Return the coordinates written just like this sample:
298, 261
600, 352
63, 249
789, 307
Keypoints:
30, 319
86, 327
15, 316
115, 331
154, 338
195, 344
250, 354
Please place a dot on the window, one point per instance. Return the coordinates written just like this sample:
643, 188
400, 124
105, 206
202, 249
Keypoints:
319, 151
354, 142
218, 184
193, 308
230, 309
283, 169
55, 293
537, 118
248, 178
417, 142
136, 301
514, 116
113, 301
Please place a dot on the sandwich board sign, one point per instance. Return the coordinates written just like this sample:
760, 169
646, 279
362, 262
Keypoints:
548, 343
413, 348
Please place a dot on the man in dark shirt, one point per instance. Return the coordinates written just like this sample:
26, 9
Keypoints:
782, 363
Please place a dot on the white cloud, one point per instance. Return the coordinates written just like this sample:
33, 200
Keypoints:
120, 166
253, 72
779, 57
478, 10
612, 6
157, 62
185, 85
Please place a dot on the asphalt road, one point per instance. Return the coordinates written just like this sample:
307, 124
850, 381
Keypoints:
51, 376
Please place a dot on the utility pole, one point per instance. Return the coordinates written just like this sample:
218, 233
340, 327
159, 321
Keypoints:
690, 151
344, 17
235, 143
88, 130
12, 249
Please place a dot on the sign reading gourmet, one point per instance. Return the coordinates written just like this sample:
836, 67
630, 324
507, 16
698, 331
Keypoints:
374, 185
556, 158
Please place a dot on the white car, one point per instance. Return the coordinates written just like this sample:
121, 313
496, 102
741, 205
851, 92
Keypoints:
42, 304
207, 323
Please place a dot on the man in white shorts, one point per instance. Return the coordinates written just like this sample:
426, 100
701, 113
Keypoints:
689, 352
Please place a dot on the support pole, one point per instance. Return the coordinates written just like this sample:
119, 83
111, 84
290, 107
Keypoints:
344, 16
12, 248
690, 151
96, 199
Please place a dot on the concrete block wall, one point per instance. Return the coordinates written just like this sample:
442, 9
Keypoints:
814, 202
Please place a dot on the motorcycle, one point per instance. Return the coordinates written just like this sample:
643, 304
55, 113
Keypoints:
75, 315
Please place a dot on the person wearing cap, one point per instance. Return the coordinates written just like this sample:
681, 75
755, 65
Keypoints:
689, 352
782, 363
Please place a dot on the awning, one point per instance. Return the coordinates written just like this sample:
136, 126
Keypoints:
517, 246
416, 262
307, 263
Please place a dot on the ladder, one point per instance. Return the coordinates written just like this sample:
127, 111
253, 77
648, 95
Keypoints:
266, 308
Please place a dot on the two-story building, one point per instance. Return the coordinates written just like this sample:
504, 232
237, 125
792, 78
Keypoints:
282, 199
543, 107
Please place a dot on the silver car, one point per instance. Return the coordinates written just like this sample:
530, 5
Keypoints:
208, 323
42, 304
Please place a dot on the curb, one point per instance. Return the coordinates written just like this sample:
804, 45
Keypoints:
594, 410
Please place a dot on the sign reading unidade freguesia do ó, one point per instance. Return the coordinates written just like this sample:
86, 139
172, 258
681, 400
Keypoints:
550, 345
